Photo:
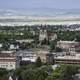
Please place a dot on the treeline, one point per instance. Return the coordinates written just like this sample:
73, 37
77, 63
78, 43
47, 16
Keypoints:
44, 72
69, 35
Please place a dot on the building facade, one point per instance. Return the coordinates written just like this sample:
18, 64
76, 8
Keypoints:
69, 46
8, 60
67, 59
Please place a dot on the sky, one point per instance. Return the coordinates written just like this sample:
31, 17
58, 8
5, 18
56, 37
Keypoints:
32, 4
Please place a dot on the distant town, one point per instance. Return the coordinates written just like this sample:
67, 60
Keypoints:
28, 47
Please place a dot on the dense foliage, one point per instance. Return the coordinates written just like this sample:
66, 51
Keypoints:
3, 74
44, 72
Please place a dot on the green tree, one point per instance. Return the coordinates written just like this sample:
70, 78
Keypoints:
34, 74
38, 62
57, 49
53, 45
29, 74
41, 74
67, 72
3, 74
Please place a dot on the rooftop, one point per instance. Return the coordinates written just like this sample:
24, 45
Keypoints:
68, 42
69, 57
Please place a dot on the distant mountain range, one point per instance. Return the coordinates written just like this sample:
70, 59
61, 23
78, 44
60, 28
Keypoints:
41, 12
38, 16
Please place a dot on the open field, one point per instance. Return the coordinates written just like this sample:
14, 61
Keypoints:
28, 20
39, 23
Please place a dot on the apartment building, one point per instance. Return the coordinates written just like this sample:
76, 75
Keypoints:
69, 46
68, 59
27, 55
8, 60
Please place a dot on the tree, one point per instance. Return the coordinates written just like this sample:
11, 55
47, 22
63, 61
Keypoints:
56, 73
5, 46
28, 74
52, 45
34, 74
41, 74
38, 62
49, 78
57, 49
3, 74
67, 72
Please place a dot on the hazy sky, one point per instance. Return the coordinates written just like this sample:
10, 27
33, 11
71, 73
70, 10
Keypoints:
29, 4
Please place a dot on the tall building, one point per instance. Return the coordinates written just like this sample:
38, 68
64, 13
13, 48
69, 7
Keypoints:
43, 35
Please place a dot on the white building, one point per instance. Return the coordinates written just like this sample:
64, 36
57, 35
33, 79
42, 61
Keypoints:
68, 59
8, 60
25, 40
52, 36
13, 47
69, 45
1, 45
43, 35
27, 55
